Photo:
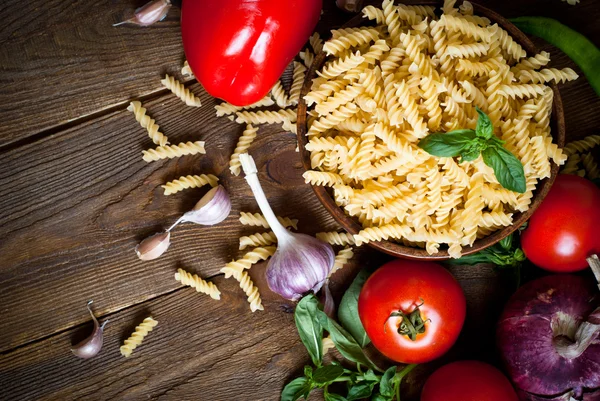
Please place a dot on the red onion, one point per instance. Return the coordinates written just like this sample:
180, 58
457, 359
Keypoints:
548, 336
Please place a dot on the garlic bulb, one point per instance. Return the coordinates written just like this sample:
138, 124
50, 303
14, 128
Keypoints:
301, 263
92, 345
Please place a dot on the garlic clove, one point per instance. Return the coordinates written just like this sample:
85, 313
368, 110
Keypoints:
92, 345
213, 208
153, 246
150, 13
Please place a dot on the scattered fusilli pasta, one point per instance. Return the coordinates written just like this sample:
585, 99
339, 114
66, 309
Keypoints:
242, 146
148, 123
258, 220
137, 336
171, 151
181, 91
198, 283
190, 181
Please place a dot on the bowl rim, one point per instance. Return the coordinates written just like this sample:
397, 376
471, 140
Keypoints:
351, 225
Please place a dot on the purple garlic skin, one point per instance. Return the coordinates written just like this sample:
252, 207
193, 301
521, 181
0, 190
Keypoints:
90, 346
538, 317
150, 13
301, 266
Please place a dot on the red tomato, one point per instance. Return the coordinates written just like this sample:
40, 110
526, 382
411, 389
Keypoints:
563, 231
468, 381
239, 49
427, 295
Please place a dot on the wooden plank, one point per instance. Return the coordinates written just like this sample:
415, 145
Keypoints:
205, 349
60, 61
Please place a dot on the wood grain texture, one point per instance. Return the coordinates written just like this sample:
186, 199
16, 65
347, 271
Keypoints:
62, 60
77, 198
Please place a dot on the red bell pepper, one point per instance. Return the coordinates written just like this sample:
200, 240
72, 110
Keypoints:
238, 49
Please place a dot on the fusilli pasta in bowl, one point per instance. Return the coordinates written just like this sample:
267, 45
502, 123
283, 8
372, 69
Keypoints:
393, 76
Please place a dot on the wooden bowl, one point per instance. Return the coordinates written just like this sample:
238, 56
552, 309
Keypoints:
352, 225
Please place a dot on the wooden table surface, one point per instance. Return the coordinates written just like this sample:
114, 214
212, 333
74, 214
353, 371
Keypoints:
76, 198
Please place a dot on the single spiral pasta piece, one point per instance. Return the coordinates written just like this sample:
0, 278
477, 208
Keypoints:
590, 166
532, 63
454, 173
258, 220
190, 181
316, 42
322, 92
434, 189
356, 38
243, 144
278, 93
376, 51
413, 51
148, 123
329, 121
322, 178
171, 151
374, 13
248, 260
250, 289
495, 219
508, 44
326, 143
181, 91
495, 196
554, 152
547, 75
137, 336
407, 108
540, 157
341, 259
258, 240
473, 210
475, 95
384, 232
477, 68
524, 199
297, 81
467, 50
198, 283
266, 117
227, 108
521, 91
308, 57
582, 145
186, 70
343, 97
338, 67
469, 29
290, 127
335, 238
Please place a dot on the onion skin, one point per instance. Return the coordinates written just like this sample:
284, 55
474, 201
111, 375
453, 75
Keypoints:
526, 338
595, 396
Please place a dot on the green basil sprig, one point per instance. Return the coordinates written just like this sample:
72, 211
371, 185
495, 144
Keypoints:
373, 383
505, 253
348, 310
469, 144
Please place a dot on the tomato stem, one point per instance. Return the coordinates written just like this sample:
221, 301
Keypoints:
412, 323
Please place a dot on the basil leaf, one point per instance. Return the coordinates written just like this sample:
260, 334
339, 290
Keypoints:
360, 391
370, 376
295, 389
507, 168
472, 259
484, 128
309, 328
308, 372
344, 342
327, 374
348, 310
386, 385
379, 397
450, 144
334, 397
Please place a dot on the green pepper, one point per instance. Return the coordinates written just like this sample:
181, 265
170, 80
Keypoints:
579, 48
